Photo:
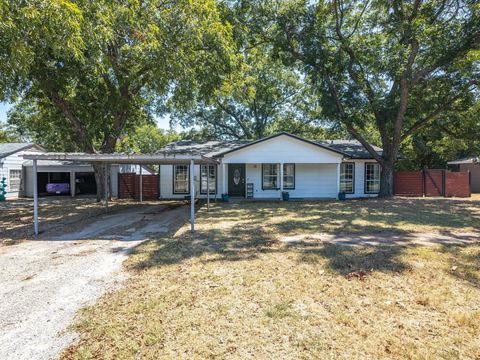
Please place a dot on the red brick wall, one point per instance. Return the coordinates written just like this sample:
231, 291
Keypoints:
457, 184
129, 186
408, 183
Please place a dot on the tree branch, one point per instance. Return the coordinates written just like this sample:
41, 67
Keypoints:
422, 122
472, 42
77, 124
361, 81
346, 121
235, 117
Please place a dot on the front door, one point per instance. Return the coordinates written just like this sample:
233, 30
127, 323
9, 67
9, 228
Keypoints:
236, 180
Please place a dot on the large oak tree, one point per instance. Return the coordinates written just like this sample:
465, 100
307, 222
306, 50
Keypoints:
399, 65
99, 68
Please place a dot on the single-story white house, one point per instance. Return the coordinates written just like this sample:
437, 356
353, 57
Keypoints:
262, 169
471, 164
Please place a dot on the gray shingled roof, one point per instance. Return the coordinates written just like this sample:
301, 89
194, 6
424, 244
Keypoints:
206, 148
350, 148
7, 149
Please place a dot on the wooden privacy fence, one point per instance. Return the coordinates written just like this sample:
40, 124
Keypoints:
129, 186
432, 183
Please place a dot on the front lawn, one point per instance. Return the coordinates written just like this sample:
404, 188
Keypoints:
236, 289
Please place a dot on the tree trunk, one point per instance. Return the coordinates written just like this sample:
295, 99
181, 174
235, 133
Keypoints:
100, 174
386, 179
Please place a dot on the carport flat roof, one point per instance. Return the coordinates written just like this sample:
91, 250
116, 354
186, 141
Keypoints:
159, 158
472, 160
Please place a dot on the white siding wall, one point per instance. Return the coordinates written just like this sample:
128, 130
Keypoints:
311, 181
166, 183
475, 175
359, 179
283, 149
14, 162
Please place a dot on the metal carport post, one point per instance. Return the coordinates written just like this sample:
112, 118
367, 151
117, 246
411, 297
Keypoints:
35, 200
192, 196
108, 159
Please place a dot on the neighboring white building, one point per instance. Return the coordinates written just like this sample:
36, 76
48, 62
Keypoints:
79, 176
264, 168
473, 165
11, 160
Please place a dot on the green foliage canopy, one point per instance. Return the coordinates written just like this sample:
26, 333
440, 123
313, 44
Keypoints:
399, 65
99, 68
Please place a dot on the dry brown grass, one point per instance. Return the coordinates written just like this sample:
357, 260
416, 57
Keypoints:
16, 216
233, 290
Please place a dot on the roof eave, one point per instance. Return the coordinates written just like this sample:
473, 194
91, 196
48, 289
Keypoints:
222, 154
120, 158
27, 146
463, 161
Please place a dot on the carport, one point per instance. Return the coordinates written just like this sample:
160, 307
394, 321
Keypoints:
117, 159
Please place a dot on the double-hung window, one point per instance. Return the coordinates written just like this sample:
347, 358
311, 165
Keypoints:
181, 177
289, 176
347, 176
372, 178
270, 176
212, 176
15, 179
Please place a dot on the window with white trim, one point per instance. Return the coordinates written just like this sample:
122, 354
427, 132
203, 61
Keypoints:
270, 176
15, 180
372, 178
181, 177
347, 176
211, 180
288, 176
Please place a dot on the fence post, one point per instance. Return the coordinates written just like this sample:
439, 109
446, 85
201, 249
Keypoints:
444, 174
424, 185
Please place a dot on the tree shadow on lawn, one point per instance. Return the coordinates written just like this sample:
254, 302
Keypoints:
55, 213
362, 249
464, 262
380, 214
239, 245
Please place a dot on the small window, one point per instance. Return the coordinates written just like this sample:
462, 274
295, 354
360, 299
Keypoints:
181, 177
289, 176
212, 183
347, 176
372, 178
15, 180
270, 176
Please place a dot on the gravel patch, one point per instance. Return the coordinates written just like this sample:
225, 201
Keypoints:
44, 283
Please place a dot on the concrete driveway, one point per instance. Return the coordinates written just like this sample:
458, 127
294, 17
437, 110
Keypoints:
44, 283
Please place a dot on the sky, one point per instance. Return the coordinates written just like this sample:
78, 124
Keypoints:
162, 122
3, 111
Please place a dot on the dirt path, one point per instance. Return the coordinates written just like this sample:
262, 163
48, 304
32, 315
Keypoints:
44, 283
421, 238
